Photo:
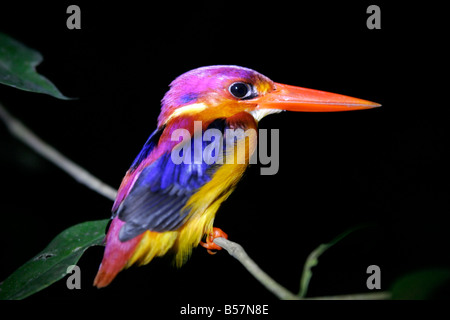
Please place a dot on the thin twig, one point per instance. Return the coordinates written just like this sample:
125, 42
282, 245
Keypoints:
378, 295
238, 252
21, 132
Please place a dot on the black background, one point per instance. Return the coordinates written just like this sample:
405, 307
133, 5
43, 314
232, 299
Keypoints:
383, 167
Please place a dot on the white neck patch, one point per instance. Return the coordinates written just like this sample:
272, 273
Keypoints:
258, 114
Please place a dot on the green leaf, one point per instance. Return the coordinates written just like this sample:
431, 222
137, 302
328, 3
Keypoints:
313, 259
420, 285
51, 264
18, 68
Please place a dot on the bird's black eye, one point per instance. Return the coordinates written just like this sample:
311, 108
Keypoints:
241, 90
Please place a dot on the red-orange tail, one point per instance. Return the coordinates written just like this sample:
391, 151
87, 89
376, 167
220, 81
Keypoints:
116, 254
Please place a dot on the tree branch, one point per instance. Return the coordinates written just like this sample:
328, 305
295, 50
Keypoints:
21, 132
238, 252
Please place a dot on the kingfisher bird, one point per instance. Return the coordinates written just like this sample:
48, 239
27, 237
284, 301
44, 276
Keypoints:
166, 207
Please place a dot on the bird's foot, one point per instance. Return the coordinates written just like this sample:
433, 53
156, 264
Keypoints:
210, 245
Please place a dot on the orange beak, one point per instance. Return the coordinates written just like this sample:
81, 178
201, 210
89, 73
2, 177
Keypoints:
291, 98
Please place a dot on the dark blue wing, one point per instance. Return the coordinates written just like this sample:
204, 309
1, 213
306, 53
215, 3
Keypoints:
148, 147
162, 189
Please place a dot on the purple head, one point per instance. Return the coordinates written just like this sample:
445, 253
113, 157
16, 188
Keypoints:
212, 86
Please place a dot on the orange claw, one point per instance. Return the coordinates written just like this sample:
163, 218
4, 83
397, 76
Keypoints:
210, 245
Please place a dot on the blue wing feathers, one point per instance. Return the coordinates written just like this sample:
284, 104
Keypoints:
157, 198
